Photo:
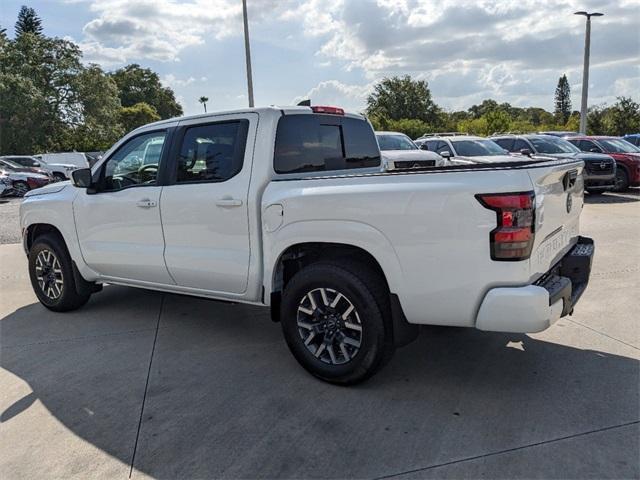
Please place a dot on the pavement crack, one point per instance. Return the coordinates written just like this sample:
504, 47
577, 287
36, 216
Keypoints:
146, 386
509, 450
603, 334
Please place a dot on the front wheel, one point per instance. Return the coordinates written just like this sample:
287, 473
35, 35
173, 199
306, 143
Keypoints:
622, 180
20, 188
52, 275
336, 321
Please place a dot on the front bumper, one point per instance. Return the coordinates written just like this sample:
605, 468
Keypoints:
535, 307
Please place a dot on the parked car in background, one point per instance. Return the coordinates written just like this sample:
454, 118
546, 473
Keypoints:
6, 185
13, 166
600, 169
58, 171
78, 159
462, 149
633, 139
21, 181
627, 157
558, 133
93, 157
287, 208
400, 153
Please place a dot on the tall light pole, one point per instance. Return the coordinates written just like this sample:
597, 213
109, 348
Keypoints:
585, 70
247, 51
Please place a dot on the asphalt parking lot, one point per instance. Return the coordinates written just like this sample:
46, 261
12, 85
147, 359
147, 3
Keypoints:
145, 384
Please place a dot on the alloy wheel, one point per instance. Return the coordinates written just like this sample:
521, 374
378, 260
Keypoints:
329, 326
49, 274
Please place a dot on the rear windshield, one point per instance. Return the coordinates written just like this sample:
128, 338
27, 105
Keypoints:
395, 142
316, 143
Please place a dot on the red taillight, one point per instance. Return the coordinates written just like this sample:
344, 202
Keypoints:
513, 238
327, 110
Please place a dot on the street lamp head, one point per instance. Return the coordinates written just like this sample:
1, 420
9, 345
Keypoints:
589, 15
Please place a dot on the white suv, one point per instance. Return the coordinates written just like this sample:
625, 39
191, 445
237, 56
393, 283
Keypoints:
462, 149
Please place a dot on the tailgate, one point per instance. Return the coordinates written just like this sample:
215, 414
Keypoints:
559, 189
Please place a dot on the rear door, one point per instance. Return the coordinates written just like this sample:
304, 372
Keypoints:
204, 206
559, 187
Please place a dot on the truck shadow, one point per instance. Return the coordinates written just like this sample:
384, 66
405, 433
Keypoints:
629, 196
225, 398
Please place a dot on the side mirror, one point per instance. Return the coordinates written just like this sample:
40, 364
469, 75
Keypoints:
424, 147
82, 177
594, 150
525, 151
445, 154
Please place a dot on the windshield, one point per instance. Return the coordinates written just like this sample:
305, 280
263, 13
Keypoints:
477, 148
553, 145
395, 142
619, 146
10, 164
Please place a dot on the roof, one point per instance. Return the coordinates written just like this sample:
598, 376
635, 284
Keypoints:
389, 133
288, 109
452, 137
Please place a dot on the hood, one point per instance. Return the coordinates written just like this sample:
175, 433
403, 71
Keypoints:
586, 156
50, 188
492, 159
408, 155
24, 174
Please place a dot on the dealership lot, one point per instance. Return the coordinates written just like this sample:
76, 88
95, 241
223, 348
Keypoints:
168, 386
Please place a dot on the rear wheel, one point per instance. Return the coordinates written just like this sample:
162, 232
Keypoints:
622, 180
52, 275
20, 188
336, 321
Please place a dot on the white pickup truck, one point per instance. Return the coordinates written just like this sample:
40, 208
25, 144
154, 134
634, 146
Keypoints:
288, 208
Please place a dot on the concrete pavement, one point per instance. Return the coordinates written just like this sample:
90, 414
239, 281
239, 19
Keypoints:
165, 386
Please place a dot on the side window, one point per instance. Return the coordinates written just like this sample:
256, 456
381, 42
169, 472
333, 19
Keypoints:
586, 145
134, 163
213, 152
315, 143
443, 146
520, 144
431, 145
506, 143
360, 145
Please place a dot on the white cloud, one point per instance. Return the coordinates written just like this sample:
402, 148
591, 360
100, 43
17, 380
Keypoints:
334, 92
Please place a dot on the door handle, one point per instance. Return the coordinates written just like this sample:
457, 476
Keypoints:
228, 202
146, 203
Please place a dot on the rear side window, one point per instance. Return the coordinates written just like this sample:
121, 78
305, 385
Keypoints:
506, 143
520, 145
212, 153
316, 143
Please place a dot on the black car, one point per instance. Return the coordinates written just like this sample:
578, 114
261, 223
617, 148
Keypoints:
600, 169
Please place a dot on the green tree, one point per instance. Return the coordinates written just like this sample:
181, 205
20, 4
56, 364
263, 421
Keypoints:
622, 117
563, 100
474, 126
412, 127
595, 120
485, 107
28, 22
401, 98
497, 121
137, 115
137, 84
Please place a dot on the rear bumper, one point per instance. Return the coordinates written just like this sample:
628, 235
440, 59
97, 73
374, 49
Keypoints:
535, 307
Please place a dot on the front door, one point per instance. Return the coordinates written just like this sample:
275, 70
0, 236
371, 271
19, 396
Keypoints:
118, 224
204, 208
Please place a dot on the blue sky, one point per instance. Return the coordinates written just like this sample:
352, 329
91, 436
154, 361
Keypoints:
335, 50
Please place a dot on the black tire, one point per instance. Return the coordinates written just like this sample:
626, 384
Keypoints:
622, 180
58, 177
72, 292
359, 287
20, 188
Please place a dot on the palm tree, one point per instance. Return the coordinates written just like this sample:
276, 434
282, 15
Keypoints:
203, 101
